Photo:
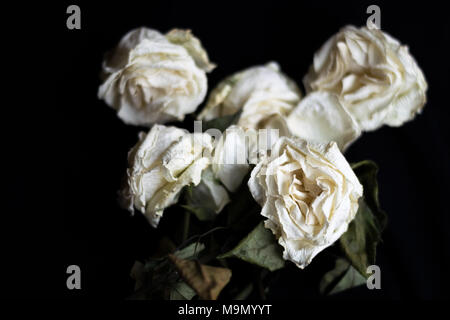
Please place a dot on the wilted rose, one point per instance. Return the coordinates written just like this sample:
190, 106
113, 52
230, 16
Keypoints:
163, 162
375, 77
263, 93
155, 78
309, 195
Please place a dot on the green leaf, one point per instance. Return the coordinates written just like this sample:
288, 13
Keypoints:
364, 232
157, 277
222, 123
259, 247
366, 172
203, 213
191, 251
244, 293
181, 291
152, 279
206, 199
341, 278
138, 273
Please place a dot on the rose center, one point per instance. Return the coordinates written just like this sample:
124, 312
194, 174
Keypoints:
304, 190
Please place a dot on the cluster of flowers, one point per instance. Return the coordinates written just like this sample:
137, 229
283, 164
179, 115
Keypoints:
360, 80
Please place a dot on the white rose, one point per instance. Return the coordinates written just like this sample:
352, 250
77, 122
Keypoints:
264, 94
309, 194
321, 117
160, 165
152, 78
372, 73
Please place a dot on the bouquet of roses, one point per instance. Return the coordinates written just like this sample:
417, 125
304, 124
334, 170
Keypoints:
261, 179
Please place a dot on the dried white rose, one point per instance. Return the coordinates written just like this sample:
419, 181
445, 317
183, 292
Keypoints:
321, 117
372, 73
264, 94
309, 194
160, 165
155, 78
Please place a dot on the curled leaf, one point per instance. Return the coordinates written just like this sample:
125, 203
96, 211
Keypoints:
364, 232
341, 278
206, 199
190, 251
181, 291
259, 247
207, 281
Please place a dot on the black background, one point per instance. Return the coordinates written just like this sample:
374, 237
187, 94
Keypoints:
68, 149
